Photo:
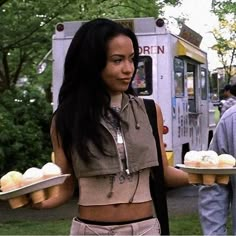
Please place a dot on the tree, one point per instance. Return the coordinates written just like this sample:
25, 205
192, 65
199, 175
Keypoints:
225, 36
24, 129
27, 26
25, 37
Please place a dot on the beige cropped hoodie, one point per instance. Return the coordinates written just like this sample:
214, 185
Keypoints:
139, 144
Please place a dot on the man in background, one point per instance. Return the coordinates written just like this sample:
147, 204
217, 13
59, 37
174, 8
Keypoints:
216, 200
230, 97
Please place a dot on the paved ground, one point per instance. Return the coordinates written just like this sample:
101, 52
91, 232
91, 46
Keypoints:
181, 201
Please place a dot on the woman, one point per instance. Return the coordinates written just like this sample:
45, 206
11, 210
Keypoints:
100, 132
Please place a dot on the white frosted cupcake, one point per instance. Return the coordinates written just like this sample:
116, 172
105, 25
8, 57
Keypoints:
32, 176
51, 170
225, 161
210, 159
193, 159
11, 181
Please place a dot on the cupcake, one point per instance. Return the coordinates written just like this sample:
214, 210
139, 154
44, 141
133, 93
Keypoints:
32, 176
51, 170
193, 159
210, 159
11, 181
225, 161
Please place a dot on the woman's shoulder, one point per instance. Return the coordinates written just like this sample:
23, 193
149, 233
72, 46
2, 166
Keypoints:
140, 101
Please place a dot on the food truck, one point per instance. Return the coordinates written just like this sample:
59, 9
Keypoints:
172, 70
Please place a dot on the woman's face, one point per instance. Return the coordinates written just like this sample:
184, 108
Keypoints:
119, 67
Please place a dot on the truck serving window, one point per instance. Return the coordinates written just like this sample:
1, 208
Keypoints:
179, 77
142, 82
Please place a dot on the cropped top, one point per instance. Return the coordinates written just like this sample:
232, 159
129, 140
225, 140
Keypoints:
115, 189
139, 144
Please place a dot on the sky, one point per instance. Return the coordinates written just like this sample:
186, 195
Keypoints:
201, 20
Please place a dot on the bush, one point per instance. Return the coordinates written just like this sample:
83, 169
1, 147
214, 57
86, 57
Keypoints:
24, 129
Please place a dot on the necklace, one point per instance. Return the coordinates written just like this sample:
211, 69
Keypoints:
115, 125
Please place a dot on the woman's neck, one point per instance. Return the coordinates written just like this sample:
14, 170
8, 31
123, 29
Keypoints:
116, 100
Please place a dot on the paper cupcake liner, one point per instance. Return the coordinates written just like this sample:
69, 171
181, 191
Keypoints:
38, 196
222, 179
194, 178
18, 201
53, 191
209, 179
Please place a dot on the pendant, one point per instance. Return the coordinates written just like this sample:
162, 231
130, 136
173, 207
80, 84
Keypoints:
119, 138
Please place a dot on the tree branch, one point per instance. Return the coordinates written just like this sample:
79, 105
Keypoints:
18, 69
5, 68
39, 27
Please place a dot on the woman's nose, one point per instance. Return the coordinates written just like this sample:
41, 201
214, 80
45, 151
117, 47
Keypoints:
128, 67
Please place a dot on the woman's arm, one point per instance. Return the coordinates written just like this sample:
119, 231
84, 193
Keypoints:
173, 176
66, 189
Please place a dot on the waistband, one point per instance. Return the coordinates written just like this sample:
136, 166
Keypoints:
143, 227
92, 222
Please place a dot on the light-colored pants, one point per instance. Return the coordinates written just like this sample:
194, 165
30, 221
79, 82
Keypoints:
213, 208
145, 227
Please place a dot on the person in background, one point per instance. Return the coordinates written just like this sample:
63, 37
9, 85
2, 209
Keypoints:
226, 91
216, 200
225, 95
101, 135
230, 96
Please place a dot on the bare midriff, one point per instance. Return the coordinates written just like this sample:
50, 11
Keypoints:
117, 212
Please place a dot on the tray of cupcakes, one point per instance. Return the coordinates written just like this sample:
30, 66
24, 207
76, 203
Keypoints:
35, 184
207, 167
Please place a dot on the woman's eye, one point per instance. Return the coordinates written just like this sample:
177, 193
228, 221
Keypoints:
117, 60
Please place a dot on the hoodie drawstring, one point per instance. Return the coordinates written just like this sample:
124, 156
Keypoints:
137, 125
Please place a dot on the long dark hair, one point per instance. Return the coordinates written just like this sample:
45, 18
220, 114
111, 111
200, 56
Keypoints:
83, 97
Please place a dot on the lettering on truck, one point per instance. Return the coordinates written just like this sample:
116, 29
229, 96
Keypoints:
154, 49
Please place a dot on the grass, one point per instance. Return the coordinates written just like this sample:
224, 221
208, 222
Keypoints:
185, 225
179, 225
57, 227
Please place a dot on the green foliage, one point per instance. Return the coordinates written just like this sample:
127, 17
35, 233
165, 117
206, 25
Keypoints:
222, 8
27, 28
225, 36
24, 129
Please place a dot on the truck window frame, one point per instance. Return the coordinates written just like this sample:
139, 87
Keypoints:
179, 77
204, 81
143, 85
